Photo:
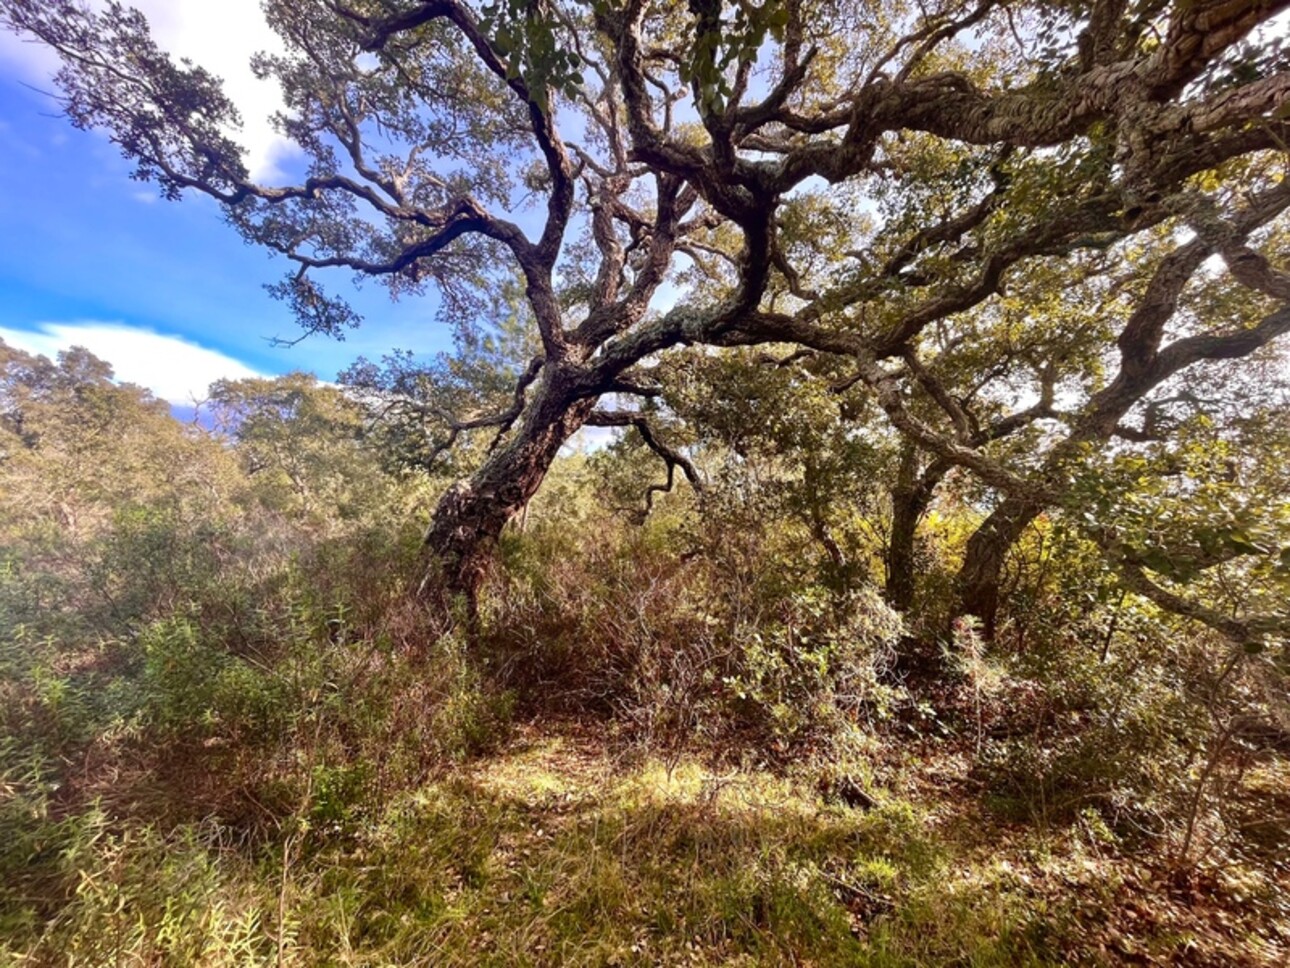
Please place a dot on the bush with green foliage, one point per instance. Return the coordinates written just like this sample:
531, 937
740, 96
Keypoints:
687, 647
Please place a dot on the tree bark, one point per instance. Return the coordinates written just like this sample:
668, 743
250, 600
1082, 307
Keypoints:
905, 513
987, 550
909, 502
470, 516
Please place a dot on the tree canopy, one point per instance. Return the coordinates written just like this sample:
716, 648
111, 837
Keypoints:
1031, 236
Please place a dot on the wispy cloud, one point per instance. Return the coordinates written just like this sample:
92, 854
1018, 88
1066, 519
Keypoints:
221, 37
31, 60
173, 368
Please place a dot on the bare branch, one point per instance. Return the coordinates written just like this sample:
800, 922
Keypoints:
671, 457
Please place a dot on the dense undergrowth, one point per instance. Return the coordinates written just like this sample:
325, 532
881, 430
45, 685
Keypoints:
229, 735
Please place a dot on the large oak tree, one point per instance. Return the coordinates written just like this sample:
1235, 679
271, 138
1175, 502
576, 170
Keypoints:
856, 178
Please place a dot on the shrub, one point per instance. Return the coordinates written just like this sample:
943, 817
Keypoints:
683, 649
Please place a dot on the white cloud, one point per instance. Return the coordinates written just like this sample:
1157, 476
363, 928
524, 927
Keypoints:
588, 440
221, 37
27, 58
173, 368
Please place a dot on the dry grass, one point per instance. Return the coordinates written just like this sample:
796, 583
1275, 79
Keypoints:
554, 852
561, 850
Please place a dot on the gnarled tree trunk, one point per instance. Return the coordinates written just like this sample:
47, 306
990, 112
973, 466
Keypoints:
909, 502
470, 516
987, 550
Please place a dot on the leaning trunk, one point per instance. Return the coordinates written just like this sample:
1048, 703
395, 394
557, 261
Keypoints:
470, 516
987, 550
909, 502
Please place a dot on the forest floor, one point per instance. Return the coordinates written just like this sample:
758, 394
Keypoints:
560, 850
569, 845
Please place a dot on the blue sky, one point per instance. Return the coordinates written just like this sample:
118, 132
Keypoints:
164, 291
